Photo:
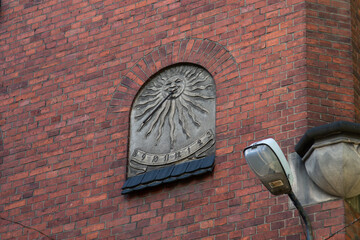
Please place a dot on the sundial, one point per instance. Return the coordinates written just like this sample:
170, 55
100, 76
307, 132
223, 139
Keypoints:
172, 119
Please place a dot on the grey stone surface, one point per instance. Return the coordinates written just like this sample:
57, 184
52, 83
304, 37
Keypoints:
333, 163
303, 187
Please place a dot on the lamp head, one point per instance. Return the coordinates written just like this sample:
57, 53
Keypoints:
268, 162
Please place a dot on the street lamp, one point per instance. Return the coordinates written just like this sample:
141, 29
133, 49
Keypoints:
268, 162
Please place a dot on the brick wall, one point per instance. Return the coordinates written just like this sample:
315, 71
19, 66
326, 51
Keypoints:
329, 58
70, 70
355, 41
352, 220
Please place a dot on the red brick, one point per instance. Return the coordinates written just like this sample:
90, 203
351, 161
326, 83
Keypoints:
15, 205
95, 198
92, 228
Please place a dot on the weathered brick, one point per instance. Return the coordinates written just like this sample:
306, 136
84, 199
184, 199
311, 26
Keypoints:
95, 198
92, 228
15, 205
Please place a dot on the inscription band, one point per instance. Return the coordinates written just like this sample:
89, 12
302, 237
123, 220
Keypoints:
152, 159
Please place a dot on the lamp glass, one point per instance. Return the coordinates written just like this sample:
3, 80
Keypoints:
263, 160
267, 161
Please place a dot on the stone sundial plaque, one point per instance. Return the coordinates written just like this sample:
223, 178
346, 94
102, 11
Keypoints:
172, 119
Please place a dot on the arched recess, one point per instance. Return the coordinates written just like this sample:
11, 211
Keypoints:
213, 57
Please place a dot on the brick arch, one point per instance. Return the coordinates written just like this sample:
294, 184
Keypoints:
212, 56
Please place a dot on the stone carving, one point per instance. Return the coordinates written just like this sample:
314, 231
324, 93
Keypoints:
172, 119
331, 157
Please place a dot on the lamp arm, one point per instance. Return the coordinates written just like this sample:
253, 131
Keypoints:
304, 216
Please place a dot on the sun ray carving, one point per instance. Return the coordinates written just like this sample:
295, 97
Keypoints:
182, 119
173, 99
196, 88
148, 107
190, 112
172, 124
194, 104
162, 112
161, 124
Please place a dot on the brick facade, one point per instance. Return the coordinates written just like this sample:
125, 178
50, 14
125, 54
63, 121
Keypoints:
355, 42
70, 71
353, 226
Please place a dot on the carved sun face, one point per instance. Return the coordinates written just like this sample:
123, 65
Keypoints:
174, 86
174, 97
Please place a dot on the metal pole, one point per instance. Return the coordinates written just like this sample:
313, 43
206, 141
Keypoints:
304, 216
